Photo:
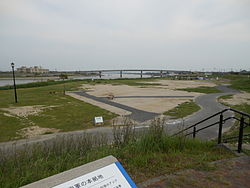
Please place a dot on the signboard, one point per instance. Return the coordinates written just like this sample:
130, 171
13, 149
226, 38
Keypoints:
111, 176
98, 120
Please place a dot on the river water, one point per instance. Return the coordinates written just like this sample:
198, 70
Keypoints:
7, 81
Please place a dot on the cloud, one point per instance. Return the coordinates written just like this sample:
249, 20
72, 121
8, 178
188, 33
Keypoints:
108, 29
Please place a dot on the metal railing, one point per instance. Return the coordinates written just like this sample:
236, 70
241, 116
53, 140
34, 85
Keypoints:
241, 117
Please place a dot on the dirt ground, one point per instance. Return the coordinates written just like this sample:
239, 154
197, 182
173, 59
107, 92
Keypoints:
24, 111
157, 105
33, 131
238, 99
178, 84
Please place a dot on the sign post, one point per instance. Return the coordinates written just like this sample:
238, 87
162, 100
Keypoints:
103, 173
98, 120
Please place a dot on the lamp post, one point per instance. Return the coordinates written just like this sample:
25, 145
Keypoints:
13, 72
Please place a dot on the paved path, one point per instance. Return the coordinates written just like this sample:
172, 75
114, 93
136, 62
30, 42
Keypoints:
207, 102
131, 97
228, 173
209, 106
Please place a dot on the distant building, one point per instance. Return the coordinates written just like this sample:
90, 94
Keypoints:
35, 69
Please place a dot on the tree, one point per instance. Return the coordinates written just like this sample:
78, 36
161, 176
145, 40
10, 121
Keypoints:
63, 76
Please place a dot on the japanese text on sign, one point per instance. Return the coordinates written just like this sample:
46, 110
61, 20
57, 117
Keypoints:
106, 177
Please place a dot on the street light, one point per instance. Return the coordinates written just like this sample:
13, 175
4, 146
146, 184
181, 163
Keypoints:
13, 72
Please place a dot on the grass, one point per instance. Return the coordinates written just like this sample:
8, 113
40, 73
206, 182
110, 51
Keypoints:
202, 89
67, 114
226, 97
239, 82
38, 84
242, 84
183, 110
149, 155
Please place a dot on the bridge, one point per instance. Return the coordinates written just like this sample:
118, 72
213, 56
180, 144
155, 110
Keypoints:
161, 71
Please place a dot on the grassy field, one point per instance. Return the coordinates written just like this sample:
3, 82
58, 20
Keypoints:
240, 82
147, 156
183, 110
65, 113
41, 84
202, 89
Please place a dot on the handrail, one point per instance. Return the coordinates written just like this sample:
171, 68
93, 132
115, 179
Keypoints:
247, 124
204, 128
239, 112
221, 112
200, 122
243, 124
234, 137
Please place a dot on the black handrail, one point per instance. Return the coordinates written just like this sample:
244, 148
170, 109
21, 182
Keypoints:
203, 128
221, 121
200, 122
235, 137
239, 112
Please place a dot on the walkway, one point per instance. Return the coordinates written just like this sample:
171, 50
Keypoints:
227, 173
209, 106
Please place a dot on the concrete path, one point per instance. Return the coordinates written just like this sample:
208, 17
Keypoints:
227, 173
131, 97
209, 106
207, 102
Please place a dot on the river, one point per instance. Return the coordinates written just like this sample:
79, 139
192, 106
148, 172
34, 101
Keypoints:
9, 81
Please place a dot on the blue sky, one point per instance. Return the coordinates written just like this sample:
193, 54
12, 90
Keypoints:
116, 34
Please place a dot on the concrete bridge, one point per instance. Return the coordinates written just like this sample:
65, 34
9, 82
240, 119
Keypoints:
161, 71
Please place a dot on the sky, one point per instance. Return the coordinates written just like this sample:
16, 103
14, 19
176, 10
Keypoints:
73, 35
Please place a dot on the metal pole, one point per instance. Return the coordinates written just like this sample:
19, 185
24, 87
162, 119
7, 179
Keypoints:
14, 80
220, 129
63, 87
194, 132
240, 134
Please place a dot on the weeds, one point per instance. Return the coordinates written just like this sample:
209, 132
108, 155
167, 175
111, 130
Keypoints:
142, 155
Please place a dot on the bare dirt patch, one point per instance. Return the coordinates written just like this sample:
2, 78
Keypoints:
237, 99
110, 108
152, 104
33, 131
24, 111
155, 105
179, 84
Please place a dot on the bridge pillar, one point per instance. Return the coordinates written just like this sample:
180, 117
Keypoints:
100, 74
141, 73
161, 73
121, 74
